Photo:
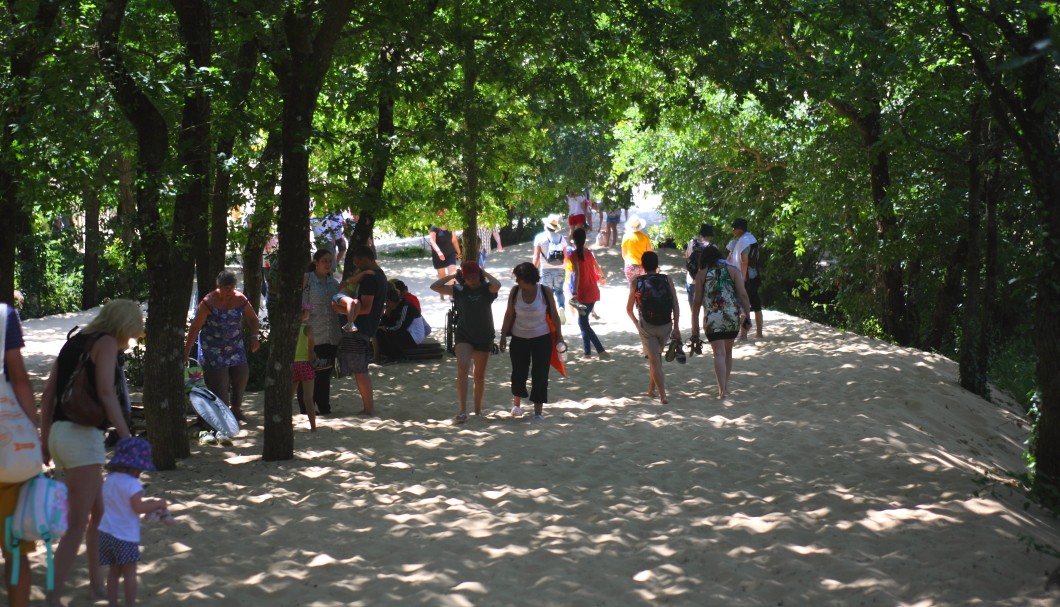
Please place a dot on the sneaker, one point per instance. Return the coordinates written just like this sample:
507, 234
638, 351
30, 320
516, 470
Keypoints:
207, 438
517, 411
605, 355
349, 327
224, 439
538, 416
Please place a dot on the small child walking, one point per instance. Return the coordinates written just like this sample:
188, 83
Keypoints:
302, 368
123, 503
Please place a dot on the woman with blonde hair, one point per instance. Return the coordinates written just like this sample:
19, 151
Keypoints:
78, 449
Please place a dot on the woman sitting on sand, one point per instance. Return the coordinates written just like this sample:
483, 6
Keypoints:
718, 285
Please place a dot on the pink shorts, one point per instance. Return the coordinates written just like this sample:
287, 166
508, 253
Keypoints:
302, 371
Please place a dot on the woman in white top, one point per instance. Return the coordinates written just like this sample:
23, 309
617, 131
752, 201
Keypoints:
531, 347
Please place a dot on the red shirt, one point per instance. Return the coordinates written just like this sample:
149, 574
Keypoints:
412, 299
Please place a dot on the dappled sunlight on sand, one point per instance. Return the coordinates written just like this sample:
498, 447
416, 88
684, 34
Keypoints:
839, 471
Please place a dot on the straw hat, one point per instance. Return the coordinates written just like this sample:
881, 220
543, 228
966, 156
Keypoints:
635, 224
551, 223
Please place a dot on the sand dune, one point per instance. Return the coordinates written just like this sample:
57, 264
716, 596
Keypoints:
840, 471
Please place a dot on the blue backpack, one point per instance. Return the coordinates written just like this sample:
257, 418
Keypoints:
40, 515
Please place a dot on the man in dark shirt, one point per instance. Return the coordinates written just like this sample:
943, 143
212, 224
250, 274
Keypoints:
356, 346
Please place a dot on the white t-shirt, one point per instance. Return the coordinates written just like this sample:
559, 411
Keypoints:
577, 204
119, 519
736, 248
550, 242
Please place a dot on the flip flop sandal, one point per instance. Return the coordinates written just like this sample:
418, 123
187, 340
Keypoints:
671, 352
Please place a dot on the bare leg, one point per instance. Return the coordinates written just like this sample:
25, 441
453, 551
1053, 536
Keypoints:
758, 323
728, 362
655, 369
720, 364
18, 594
113, 580
128, 571
310, 406
84, 485
481, 360
364, 386
464, 355
442, 273
96, 578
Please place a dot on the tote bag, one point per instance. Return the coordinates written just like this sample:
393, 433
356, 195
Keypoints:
20, 453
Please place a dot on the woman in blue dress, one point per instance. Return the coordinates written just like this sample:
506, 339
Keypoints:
218, 326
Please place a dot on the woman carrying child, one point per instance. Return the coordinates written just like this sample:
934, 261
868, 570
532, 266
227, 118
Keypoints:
123, 503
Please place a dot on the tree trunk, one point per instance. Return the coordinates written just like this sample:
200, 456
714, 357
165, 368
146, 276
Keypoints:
472, 121
890, 282
300, 67
126, 218
93, 239
1025, 105
171, 269
259, 230
386, 63
211, 257
971, 375
23, 54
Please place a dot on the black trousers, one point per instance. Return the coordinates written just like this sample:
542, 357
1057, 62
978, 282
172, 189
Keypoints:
393, 343
530, 358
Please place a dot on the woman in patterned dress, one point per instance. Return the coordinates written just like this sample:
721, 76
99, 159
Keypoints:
719, 291
218, 325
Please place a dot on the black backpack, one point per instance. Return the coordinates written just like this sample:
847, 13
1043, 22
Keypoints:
754, 261
654, 298
692, 263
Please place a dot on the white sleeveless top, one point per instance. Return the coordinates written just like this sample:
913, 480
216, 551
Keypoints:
530, 317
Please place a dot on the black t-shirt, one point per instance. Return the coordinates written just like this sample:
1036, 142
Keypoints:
376, 286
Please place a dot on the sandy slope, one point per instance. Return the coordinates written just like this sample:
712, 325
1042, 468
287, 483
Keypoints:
840, 471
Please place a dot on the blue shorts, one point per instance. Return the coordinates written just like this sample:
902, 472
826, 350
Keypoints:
113, 551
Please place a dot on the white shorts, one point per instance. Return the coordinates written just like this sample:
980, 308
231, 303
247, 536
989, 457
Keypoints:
73, 445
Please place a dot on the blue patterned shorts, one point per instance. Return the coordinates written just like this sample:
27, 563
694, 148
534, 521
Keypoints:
113, 551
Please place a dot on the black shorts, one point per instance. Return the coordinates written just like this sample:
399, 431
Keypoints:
722, 335
752, 293
481, 347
